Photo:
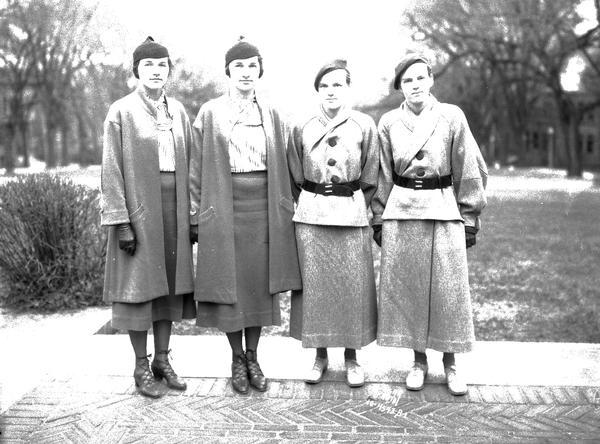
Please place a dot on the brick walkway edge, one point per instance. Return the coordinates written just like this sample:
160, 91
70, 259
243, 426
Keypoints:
108, 410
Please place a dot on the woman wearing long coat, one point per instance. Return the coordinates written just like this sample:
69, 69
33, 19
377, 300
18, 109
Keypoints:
429, 197
145, 204
242, 212
334, 160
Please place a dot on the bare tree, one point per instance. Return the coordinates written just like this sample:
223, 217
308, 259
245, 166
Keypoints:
94, 90
189, 87
522, 48
17, 68
66, 48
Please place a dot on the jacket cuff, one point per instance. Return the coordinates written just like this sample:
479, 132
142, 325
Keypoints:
114, 217
471, 230
193, 216
377, 220
471, 220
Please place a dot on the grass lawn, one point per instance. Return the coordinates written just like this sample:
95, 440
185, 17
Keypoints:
535, 271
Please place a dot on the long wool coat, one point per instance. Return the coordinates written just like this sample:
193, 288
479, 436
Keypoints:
424, 299
338, 303
131, 193
212, 204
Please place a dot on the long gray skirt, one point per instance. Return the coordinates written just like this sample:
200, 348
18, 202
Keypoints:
254, 306
424, 298
338, 304
171, 307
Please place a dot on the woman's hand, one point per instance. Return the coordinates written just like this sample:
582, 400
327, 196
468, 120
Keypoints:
471, 236
127, 241
377, 234
193, 234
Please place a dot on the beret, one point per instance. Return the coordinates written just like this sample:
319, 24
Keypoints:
405, 62
149, 49
242, 50
328, 67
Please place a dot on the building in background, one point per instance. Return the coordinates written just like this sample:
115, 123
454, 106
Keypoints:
543, 146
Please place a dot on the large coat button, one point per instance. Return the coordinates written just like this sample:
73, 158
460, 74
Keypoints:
331, 162
335, 179
421, 172
332, 141
420, 155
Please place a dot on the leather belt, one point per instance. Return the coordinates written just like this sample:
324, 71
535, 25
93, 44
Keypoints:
332, 189
427, 183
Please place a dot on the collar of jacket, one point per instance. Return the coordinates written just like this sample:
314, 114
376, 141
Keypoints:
421, 127
329, 124
234, 112
149, 105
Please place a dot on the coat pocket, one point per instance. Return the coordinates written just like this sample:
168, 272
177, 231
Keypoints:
287, 204
137, 213
206, 215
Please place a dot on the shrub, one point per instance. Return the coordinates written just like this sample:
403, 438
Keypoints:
51, 244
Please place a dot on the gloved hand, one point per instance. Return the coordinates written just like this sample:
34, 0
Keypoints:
193, 234
377, 234
126, 237
471, 236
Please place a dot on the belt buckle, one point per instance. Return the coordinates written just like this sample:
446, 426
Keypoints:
328, 188
418, 183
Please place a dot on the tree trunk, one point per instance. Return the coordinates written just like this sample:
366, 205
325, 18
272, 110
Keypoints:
50, 154
64, 145
95, 140
82, 156
570, 119
574, 165
26, 141
10, 150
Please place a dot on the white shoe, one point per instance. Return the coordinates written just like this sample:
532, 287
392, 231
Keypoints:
456, 384
315, 375
416, 377
355, 375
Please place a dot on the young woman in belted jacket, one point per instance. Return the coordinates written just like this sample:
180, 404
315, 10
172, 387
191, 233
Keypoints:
242, 212
145, 204
334, 160
430, 194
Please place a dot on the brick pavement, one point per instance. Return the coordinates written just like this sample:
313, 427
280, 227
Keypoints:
106, 409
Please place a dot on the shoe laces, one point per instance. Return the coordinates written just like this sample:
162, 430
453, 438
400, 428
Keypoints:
254, 368
238, 367
142, 362
252, 363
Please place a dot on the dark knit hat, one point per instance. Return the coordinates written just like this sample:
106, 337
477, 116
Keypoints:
149, 49
407, 60
242, 50
331, 66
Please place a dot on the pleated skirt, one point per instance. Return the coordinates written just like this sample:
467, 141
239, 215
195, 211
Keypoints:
255, 306
337, 306
424, 298
171, 307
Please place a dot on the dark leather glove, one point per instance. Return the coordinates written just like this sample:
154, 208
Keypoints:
127, 240
193, 234
471, 236
377, 234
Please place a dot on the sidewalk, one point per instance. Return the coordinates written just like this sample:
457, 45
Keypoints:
73, 386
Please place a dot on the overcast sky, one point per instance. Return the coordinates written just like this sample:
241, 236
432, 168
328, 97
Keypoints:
294, 37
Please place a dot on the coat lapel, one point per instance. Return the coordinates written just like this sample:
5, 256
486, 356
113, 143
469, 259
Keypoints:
328, 126
420, 128
153, 114
147, 105
269, 131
